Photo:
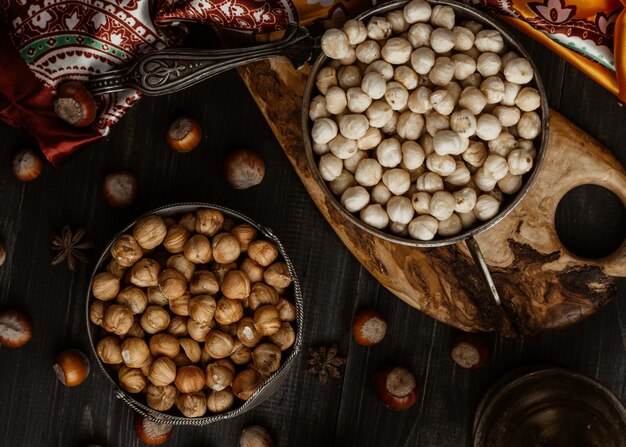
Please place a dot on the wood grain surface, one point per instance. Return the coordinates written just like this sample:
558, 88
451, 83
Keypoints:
36, 410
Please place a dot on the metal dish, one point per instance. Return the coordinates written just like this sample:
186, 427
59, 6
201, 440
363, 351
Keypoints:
270, 385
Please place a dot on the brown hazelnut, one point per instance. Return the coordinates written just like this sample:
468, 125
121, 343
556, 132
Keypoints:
164, 345
71, 367
183, 265
136, 330
202, 308
27, 165
286, 310
209, 221
245, 234
175, 238
219, 345
126, 251
15, 329
192, 349
262, 251
246, 383
181, 360
109, 349
156, 297
119, 189
145, 273
178, 326
395, 386
469, 350
145, 368
150, 231
235, 285
117, 319
220, 401
242, 355
262, 294
116, 269
74, 104
198, 331
198, 249
225, 247
228, 311
133, 298
180, 306
285, 337
105, 286
220, 374
266, 320
253, 269
96, 312
184, 134
277, 275
247, 333
255, 436
266, 358
189, 222
172, 284
369, 327
155, 319
151, 432
131, 380
244, 169
203, 282
162, 371
220, 270
189, 379
135, 352
161, 398
192, 405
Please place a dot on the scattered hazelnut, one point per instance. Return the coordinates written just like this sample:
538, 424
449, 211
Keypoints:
74, 104
246, 383
369, 327
469, 350
395, 386
151, 432
27, 165
71, 367
255, 436
192, 405
131, 379
220, 401
219, 374
161, 398
119, 189
184, 134
15, 329
244, 169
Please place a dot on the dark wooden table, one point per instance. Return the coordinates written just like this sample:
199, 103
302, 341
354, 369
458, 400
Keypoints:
36, 410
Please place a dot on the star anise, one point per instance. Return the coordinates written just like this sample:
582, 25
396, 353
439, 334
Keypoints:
325, 362
70, 246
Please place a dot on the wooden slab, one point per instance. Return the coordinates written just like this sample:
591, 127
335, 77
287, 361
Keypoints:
542, 286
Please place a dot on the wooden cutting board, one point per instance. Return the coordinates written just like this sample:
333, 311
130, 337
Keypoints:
542, 286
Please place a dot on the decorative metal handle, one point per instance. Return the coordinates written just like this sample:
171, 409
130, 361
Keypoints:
168, 71
479, 260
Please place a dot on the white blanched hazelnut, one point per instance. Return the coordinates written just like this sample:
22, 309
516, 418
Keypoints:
375, 216
317, 108
426, 141
454, 89
397, 180
442, 205
355, 198
349, 59
519, 161
465, 200
396, 51
391, 126
442, 15
400, 210
473, 26
353, 127
382, 67
374, 85
336, 100
529, 125
493, 89
320, 149
396, 19
442, 101
355, 31
464, 66
435, 122
423, 60
368, 51
447, 142
488, 127
368, 172
397, 96
519, 71
410, 125
326, 78
419, 34
379, 113
473, 100
450, 227
463, 122
528, 99
467, 219
489, 40
423, 228
399, 229
511, 91
419, 100
442, 72
335, 44
482, 181
324, 130
417, 11
475, 154
528, 146
406, 76
510, 183
441, 40
412, 155
344, 181
463, 38
508, 116
381, 194
351, 163
473, 80
503, 144
421, 202
495, 167
486, 207
429, 182
349, 76
358, 100
389, 153
330, 167
443, 165
461, 175
488, 64
342, 147
496, 194
378, 28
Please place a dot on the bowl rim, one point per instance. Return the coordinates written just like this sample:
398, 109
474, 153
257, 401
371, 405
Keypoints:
269, 385
468, 13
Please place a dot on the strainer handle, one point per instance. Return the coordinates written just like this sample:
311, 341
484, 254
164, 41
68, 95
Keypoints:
479, 260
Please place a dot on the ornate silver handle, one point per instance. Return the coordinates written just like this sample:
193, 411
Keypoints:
168, 71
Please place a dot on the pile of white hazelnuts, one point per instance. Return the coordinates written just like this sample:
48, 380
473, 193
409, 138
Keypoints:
421, 125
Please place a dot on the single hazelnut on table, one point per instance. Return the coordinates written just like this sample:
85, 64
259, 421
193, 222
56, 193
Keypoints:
235, 285
135, 352
191, 348
247, 333
164, 345
133, 298
286, 310
96, 312
109, 349
244, 169
192, 405
150, 432
220, 401
198, 249
189, 379
255, 436
252, 269
266, 358
74, 104
277, 275
203, 282
105, 286
154, 319
126, 251
228, 311
285, 337
118, 319
162, 371
369, 327
184, 134
261, 294
395, 387
242, 355
120, 189
15, 329
469, 350
218, 345
27, 165
131, 380
246, 383
71, 367
266, 320
202, 308
198, 331
208, 221
219, 374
